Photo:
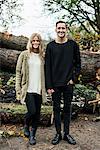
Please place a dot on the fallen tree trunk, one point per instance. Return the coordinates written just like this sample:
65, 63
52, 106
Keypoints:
89, 60
14, 113
8, 59
10, 41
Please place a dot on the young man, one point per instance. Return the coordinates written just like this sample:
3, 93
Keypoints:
62, 67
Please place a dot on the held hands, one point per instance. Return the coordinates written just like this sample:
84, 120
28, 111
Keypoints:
50, 91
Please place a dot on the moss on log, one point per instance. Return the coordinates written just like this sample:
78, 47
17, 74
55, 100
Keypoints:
14, 113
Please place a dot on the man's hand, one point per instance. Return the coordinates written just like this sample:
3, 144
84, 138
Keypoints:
50, 91
70, 82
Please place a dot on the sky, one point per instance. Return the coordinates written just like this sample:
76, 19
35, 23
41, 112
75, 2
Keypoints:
36, 20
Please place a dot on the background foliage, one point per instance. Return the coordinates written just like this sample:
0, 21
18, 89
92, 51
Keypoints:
10, 11
82, 12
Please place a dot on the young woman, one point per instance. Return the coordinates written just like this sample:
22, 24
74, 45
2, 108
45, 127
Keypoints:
30, 86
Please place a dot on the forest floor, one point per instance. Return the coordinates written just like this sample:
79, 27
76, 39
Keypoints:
83, 129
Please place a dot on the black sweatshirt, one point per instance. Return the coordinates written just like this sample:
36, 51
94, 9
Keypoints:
62, 63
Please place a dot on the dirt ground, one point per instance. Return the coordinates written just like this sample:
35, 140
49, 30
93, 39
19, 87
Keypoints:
83, 129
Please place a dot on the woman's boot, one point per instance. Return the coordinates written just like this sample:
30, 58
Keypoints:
32, 139
26, 131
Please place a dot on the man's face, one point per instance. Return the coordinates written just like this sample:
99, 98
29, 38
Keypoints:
61, 30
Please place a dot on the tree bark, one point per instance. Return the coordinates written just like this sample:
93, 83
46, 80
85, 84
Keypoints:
8, 59
14, 113
10, 41
89, 60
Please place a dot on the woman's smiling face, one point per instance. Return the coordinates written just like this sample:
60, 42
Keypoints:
35, 43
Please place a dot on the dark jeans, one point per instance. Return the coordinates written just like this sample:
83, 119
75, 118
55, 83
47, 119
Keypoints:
67, 92
33, 104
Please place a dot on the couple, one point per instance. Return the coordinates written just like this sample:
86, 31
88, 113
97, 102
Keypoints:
57, 71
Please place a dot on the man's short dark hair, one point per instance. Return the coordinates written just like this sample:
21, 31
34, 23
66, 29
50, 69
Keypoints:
61, 22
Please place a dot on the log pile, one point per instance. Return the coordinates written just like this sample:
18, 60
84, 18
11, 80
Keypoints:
11, 46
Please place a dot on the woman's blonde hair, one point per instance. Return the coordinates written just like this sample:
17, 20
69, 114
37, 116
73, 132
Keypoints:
29, 44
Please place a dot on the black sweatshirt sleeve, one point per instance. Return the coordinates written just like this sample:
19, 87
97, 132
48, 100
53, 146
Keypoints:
48, 78
77, 63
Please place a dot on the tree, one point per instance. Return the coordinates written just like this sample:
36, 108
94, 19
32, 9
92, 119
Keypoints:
10, 13
77, 11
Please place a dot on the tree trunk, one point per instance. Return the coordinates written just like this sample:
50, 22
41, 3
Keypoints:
89, 60
8, 59
14, 113
10, 41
